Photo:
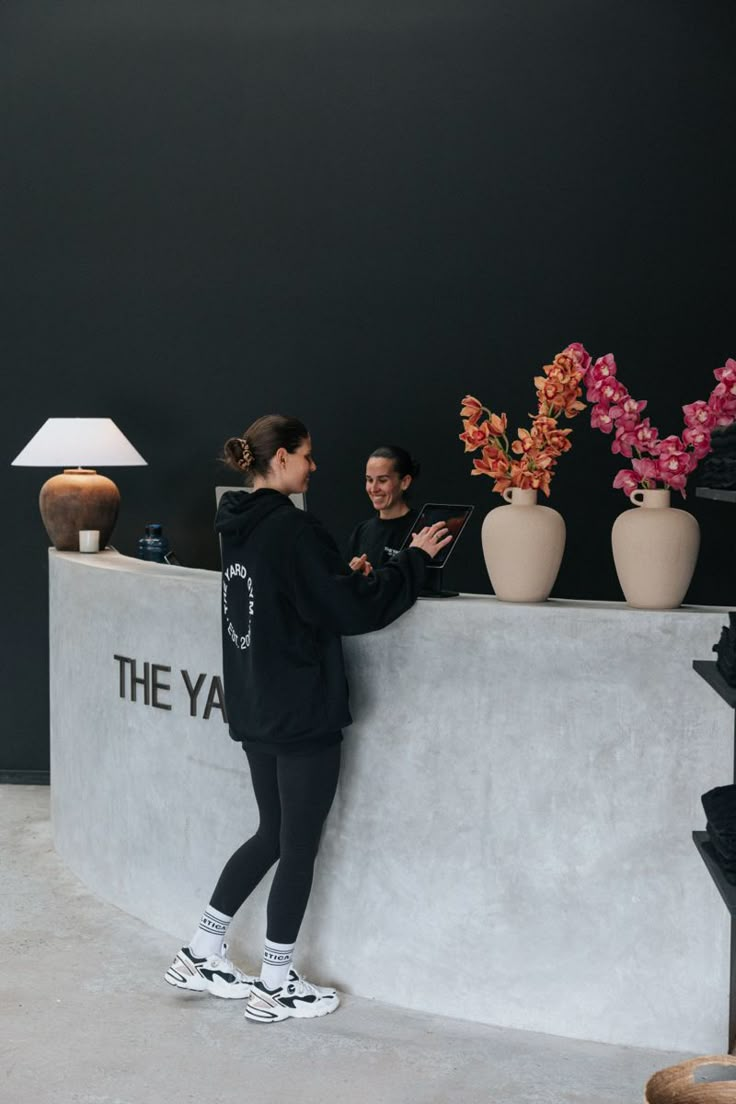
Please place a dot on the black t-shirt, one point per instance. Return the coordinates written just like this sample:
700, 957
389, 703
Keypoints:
380, 539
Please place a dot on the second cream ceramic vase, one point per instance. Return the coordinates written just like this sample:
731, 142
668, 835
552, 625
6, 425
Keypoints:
655, 549
523, 545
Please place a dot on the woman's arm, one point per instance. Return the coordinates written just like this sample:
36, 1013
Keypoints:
353, 603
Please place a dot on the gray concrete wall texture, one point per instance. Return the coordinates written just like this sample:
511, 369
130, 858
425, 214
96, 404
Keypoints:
510, 842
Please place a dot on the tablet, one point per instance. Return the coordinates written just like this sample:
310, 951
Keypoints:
455, 518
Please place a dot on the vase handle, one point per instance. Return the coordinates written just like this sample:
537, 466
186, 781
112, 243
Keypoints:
637, 501
506, 495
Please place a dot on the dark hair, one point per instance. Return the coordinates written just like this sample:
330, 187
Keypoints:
403, 463
252, 453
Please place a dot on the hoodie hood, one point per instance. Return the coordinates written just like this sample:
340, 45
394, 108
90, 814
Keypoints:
240, 512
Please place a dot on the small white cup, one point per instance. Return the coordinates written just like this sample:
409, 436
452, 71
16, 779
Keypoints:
89, 540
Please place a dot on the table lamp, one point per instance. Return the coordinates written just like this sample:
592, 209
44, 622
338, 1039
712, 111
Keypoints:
79, 498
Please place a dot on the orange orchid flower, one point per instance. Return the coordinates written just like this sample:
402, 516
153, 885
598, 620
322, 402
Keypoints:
494, 462
524, 443
529, 461
474, 436
497, 425
471, 408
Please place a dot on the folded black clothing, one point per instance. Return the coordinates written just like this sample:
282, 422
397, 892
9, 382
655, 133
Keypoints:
720, 812
719, 475
724, 437
727, 669
718, 469
725, 649
726, 863
724, 845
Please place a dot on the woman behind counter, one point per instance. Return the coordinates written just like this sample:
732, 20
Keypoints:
389, 473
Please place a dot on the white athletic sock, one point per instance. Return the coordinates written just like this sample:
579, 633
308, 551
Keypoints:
207, 939
276, 963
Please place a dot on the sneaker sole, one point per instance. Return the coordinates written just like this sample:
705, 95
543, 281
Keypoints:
180, 982
242, 992
199, 985
305, 1012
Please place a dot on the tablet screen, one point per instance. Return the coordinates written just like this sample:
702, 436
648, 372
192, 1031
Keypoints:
455, 518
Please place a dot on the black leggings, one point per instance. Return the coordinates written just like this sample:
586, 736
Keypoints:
294, 794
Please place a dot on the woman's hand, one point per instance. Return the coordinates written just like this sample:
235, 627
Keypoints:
361, 563
432, 539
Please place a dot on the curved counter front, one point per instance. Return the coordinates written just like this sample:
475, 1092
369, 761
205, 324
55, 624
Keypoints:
510, 841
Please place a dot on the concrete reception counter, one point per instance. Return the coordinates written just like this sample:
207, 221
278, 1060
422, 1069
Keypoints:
510, 842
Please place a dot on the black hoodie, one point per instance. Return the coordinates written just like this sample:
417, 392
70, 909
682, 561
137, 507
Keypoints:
287, 598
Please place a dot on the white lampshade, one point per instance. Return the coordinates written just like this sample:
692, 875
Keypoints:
78, 442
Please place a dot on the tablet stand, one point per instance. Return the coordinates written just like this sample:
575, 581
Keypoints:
433, 585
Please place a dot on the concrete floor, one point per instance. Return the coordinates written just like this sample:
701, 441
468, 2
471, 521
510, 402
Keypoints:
86, 1018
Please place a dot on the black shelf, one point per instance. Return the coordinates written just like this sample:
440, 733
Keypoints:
715, 494
708, 670
709, 857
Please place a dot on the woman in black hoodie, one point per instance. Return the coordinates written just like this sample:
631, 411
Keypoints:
287, 598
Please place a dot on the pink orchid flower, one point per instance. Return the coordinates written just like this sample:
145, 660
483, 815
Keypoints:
670, 445
725, 389
603, 369
698, 440
580, 355
674, 463
723, 405
626, 480
699, 415
608, 391
727, 374
645, 469
667, 461
674, 469
646, 436
624, 442
602, 418
627, 412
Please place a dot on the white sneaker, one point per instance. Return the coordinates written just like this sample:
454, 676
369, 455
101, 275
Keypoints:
323, 990
215, 974
298, 998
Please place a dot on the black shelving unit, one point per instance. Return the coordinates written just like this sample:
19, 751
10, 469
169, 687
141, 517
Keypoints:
708, 670
715, 494
707, 853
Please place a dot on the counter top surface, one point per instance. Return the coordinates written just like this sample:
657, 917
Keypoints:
111, 560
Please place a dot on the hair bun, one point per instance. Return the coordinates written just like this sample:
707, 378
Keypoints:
251, 454
246, 454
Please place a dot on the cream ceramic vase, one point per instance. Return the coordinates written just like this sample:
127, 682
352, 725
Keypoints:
523, 545
655, 548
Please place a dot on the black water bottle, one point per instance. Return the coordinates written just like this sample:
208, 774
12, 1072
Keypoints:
154, 545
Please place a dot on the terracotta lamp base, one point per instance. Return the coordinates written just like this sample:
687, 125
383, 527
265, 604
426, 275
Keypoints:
78, 499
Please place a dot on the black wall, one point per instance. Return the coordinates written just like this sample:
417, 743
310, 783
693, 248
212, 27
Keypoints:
355, 212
